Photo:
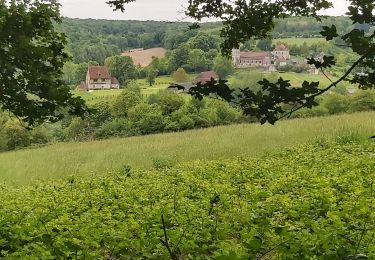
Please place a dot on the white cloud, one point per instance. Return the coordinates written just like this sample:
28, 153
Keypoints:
164, 10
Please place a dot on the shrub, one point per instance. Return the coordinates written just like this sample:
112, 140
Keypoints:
167, 100
129, 97
146, 118
363, 101
336, 103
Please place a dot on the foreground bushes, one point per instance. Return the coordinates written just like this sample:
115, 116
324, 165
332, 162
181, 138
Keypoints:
313, 202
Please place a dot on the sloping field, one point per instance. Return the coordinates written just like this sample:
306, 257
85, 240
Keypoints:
144, 57
247, 140
309, 202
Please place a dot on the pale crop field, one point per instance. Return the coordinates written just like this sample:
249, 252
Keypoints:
246, 140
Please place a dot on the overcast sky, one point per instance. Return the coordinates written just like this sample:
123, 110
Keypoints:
160, 10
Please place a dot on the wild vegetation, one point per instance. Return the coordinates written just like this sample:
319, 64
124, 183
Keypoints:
314, 201
247, 140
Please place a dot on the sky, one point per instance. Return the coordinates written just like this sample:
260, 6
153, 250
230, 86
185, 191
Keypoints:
159, 10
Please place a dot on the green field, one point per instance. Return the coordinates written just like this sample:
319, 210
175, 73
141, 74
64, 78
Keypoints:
299, 41
248, 140
308, 202
164, 82
296, 79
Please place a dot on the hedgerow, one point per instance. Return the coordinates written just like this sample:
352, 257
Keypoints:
311, 202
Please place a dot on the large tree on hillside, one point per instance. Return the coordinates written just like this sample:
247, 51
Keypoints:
249, 19
31, 60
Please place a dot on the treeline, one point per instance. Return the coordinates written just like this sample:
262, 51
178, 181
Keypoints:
307, 27
200, 53
94, 40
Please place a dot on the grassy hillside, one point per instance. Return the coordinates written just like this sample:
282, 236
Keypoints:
99, 157
309, 202
299, 41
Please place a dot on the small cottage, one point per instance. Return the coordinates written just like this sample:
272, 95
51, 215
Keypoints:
98, 77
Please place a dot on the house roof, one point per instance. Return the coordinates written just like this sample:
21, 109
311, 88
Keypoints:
254, 55
281, 47
114, 81
99, 72
281, 59
206, 76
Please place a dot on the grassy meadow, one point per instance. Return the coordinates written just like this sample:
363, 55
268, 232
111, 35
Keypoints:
247, 140
93, 97
299, 41
163, 82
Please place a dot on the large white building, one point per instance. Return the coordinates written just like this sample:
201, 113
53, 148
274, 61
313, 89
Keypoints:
250, 59
279, 56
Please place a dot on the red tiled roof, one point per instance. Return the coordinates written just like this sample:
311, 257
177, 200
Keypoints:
254, 55
281, 47
99, 72
114, 81
207, 76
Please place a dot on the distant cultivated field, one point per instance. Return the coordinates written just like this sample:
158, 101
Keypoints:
247, 140
299, 41
144, 57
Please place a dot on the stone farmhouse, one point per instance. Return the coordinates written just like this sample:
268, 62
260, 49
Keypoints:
279, 56
99, 77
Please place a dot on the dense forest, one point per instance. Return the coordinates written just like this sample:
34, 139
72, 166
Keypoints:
94, 40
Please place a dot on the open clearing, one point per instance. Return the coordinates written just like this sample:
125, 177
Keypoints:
248, 140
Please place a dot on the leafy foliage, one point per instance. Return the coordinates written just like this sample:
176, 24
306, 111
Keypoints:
32, 57
121, 67
315, 201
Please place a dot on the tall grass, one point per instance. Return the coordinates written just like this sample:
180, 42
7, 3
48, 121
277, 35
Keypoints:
249, 140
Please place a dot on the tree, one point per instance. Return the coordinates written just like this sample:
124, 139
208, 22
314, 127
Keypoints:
223, 66
265, 44
121, 67
179, 57
167, 100
129, 97
197, 60
204, 42
244, 20
151, 74
180, 75
32, 58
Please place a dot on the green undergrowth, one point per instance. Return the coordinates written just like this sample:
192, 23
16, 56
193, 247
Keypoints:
315, 201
